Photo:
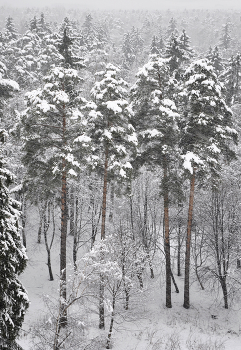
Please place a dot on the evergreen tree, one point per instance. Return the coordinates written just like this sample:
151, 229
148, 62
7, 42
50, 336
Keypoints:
231, 77
128, 51
206, 136
43, 26
179, 53
156, 121
184, 40
112, 136
7, 87
13, 296
215, 59
225, 40
154, 46
10, 32
51, 123
172, 28
33, 25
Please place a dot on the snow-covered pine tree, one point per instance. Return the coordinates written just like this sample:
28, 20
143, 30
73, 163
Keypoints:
207, 136
154, 46
10, 32
172, 28
216, 60
179, 53
33, 24
156, 122
112, 137
7, 87
13, 296
225, 39
231, 77
128, 51
51, 123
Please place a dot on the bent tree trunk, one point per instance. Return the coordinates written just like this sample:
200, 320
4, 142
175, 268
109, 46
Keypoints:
167, 240
186, 304
102, 289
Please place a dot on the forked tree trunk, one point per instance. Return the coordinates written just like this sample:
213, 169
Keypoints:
102, 289
167, 241
186, 304
46, 224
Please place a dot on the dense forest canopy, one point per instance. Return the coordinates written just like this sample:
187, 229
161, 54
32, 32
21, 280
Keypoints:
121, 128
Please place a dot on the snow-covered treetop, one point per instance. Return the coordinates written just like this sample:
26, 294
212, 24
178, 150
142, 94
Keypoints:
208, 126
155, 114
7, 86
109, 122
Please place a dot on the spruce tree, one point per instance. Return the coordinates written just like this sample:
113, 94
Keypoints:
179, 53
231, 77
225, 40
207, 137
13, 296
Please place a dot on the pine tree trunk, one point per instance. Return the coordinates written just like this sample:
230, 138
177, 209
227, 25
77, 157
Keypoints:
71, 211
112, 198
186, 304
167, 240
102, 289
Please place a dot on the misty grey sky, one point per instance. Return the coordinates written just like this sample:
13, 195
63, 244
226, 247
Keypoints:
128, 4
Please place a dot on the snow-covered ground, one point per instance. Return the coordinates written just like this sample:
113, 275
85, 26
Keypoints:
148, 325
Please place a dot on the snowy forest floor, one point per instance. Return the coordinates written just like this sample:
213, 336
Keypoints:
148, 325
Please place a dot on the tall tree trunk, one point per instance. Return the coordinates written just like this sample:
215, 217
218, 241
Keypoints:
71, 210
167, 239
102, 288
179, 240
186, 304
40, 222
24, 211
75, 232
104, 194
63, 238
112, 199
46, 224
